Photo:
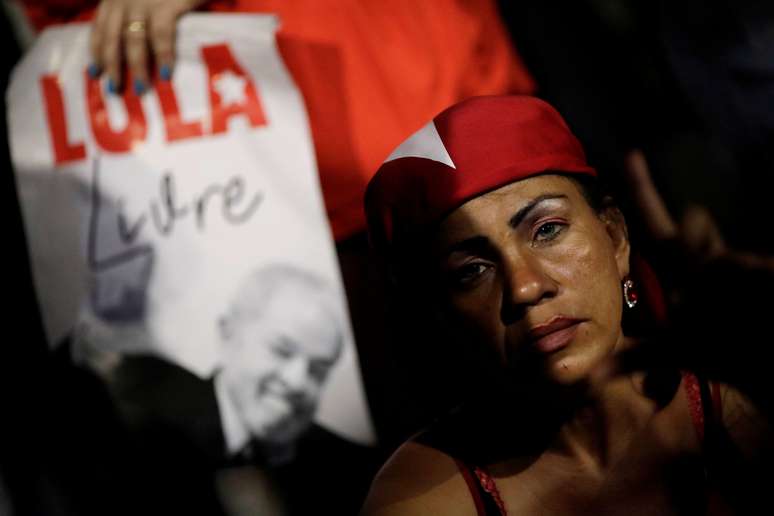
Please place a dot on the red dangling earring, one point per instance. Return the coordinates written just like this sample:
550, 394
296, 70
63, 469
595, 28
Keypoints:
629, 293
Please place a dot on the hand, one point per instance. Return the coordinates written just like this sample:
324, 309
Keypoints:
127, 31
697, 232
719, 329
719, 297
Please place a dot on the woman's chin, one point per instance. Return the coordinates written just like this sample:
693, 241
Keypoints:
564, 375
571, 369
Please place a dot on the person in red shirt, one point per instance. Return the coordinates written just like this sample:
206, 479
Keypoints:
494, 228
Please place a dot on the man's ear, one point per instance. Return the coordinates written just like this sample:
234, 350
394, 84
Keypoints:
615, 225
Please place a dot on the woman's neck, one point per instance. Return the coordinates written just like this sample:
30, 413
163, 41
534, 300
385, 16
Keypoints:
592, 421
602, 425
604, 412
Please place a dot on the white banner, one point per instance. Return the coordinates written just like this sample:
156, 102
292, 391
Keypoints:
188, 223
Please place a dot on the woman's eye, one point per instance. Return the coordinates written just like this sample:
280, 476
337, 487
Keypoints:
548, 231
468, 273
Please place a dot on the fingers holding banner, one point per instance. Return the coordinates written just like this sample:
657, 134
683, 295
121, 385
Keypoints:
136, 33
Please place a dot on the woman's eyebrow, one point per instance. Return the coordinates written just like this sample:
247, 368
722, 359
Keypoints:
520, 215
481, 243
476, 243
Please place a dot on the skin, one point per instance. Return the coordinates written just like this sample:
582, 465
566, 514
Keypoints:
500, 275
275, 366
112, 45
561, 259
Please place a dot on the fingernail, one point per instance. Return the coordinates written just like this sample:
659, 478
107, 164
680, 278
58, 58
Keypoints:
93, 71
139, 86
165, 72
111, 86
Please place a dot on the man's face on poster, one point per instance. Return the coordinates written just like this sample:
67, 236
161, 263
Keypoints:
276, 365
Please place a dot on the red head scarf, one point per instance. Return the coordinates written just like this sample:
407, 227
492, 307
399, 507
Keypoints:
471, 148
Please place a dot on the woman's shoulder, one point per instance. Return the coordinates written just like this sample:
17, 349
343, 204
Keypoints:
432, 472
419, 479
698, 408
746, 423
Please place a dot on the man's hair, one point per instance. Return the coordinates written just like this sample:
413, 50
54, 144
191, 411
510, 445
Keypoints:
262, 286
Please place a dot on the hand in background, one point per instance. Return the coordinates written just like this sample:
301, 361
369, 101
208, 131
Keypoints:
696, 233
718, 298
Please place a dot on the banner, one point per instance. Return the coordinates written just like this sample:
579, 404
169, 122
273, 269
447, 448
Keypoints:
187, 224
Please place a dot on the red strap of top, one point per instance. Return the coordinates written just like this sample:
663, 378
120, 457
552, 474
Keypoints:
716, 406
488, 484
693, 393
472, 483
482, 489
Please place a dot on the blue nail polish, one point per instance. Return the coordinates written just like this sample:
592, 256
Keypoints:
165, 72
93, 71
111, 86
139, 87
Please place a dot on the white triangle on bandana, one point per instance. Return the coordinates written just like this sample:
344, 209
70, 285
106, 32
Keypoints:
425, 143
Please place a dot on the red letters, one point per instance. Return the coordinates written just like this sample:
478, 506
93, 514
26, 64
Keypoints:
176, 128
64, 151
231, 92
220, 61
136, 127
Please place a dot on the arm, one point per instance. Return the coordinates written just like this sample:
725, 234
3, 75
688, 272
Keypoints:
419, 480
720, 328
720, 298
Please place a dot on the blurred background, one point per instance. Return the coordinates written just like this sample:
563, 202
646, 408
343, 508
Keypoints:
690, 84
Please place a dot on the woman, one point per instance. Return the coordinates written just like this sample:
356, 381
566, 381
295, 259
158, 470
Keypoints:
493, 208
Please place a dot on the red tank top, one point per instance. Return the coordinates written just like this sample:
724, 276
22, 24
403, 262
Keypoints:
483, 488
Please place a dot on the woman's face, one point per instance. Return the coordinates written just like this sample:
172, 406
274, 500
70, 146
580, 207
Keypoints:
533, 271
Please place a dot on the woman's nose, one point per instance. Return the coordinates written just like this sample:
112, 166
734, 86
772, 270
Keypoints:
525, 284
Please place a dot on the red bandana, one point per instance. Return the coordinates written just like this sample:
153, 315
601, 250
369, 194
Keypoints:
473, 147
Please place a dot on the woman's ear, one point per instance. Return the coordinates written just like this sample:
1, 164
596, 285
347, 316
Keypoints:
615, 224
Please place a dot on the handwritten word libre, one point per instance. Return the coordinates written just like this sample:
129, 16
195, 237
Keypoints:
236, 205
219, 62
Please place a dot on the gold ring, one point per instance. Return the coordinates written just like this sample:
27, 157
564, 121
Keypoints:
135, 26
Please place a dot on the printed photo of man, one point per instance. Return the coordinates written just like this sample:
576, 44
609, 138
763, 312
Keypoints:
280, 337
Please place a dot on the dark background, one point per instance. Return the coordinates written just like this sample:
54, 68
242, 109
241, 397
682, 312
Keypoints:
690, 84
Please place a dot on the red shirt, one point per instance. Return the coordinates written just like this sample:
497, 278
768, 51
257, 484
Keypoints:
371, 73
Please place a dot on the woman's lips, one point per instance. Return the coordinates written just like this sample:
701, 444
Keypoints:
554, 334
